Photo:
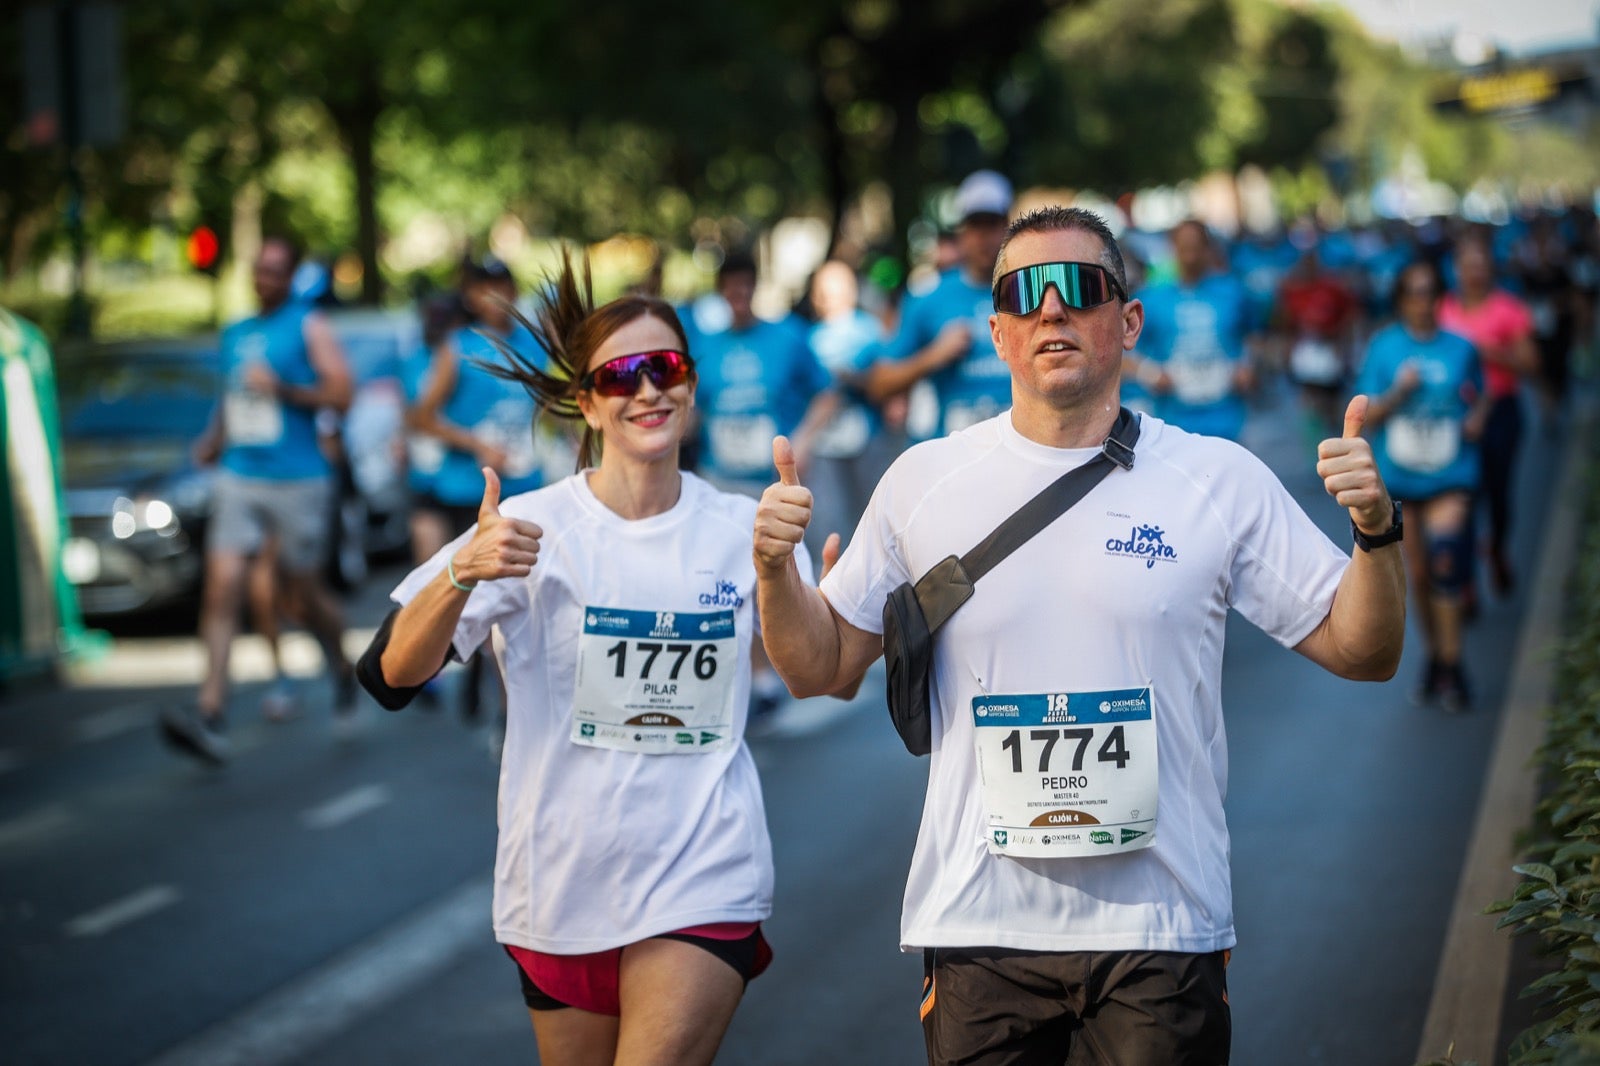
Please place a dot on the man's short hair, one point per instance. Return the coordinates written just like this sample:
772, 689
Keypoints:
736, 263
1196, 225
289, 245
1055, 218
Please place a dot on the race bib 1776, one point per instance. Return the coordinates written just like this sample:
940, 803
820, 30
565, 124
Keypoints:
1067, 774
659, 682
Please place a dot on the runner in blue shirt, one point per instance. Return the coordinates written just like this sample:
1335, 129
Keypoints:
1429, 407
278, 368
481, 419
430, 527
944, 334
1192, 355
758, 379
1261, 261
850, 451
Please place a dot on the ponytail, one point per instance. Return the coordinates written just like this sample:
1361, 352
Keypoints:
569, 329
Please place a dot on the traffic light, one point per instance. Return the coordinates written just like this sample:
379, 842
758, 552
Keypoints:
204, 250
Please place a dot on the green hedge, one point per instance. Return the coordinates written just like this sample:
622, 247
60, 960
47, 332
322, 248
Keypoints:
1558, 900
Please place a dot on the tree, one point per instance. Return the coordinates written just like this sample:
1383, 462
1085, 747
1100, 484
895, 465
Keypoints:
1123, 96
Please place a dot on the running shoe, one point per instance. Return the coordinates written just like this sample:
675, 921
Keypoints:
282, 701
1427, 690
195, 735
1451, 689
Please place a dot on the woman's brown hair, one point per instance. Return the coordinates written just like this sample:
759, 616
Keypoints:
569, 328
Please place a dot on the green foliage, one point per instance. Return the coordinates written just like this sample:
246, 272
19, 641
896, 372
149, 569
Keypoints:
1123, 91
1558, 900
353, 122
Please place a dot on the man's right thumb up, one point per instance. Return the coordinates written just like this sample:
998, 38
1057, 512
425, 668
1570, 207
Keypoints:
783, 459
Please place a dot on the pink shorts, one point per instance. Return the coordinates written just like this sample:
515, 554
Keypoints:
589, 982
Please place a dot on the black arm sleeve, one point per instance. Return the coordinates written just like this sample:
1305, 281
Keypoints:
369, 669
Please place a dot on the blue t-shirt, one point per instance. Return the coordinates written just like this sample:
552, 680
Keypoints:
1382, 267
978, 385
846, 347
754, 384
492, 409
1419, 447
1261, 265
266, 437
1197, 334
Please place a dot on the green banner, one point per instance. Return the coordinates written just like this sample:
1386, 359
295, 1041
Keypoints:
39, 618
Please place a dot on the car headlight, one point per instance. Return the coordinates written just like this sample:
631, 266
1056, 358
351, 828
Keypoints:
137, 516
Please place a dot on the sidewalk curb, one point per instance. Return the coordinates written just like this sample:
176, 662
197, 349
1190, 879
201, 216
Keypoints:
1470, 984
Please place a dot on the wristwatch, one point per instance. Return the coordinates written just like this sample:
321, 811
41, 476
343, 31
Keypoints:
1366, 542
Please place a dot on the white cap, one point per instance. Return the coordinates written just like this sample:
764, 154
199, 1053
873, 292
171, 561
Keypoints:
984, 192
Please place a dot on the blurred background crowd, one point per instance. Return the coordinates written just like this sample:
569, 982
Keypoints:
427, 158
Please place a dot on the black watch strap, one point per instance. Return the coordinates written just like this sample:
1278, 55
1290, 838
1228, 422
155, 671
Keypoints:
1366, 542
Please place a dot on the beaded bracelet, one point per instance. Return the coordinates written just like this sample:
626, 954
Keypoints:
450, 568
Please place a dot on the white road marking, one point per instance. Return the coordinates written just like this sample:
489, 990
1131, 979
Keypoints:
147, 661
343, 808
36, 826
104, 725
288, 1023
129, 908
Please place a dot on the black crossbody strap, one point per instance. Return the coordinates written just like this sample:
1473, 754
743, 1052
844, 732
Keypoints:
1055, 499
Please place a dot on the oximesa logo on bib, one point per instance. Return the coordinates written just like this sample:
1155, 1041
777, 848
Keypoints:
1143, 542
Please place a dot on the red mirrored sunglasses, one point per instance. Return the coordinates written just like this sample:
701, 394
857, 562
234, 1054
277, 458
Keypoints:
620, 376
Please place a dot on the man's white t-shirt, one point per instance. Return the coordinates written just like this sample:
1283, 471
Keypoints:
611, 833
1129, 590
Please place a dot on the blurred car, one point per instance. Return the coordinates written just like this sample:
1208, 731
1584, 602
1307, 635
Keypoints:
137, 505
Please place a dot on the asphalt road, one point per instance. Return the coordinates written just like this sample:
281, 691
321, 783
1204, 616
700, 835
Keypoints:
326, 902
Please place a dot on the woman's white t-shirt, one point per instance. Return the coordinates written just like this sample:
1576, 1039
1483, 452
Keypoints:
610, 832
1129, 590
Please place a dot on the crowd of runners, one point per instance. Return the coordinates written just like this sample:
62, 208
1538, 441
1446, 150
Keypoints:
637, 502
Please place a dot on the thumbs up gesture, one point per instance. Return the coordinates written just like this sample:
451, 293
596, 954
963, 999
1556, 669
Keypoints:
783, 513
1350, 474
501, 546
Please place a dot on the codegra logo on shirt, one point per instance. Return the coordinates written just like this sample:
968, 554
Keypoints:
726, 595
1143, 542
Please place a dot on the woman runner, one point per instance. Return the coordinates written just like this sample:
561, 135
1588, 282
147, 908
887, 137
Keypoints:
1500, 326
633, 868
1428, 410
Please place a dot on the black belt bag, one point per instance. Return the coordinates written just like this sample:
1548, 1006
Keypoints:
915, 612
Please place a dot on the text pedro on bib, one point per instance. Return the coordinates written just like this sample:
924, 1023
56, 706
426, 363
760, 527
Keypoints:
1067, 773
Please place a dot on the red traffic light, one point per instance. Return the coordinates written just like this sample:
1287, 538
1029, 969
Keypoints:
203, 248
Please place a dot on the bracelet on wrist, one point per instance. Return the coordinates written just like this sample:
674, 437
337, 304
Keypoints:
450, 569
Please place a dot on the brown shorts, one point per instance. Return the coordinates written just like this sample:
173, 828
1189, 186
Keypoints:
997, 1007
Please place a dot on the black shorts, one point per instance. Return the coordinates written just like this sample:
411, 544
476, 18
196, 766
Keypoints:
458, 517
998, 1007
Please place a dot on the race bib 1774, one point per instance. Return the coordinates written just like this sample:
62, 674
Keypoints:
659, 682
1067, 774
